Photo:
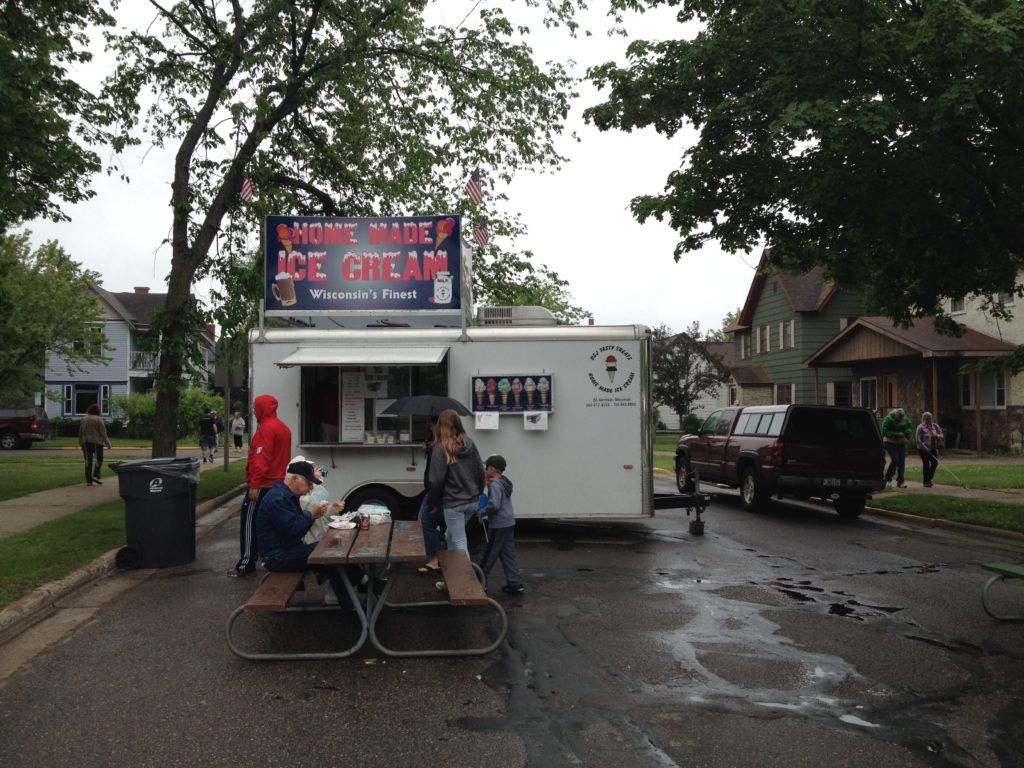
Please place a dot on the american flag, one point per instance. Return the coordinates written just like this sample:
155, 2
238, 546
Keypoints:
476, 192
480, 233
247, 189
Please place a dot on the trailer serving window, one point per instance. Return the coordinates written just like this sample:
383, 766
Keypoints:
344, 393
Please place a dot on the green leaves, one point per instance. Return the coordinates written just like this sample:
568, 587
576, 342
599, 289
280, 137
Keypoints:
45, 307
882, 141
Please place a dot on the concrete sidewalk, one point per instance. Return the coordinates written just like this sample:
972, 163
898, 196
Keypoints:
25, 512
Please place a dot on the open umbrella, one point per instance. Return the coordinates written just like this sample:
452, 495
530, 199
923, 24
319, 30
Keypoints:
424, 405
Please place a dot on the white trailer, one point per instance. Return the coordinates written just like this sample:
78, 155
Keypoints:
575, 423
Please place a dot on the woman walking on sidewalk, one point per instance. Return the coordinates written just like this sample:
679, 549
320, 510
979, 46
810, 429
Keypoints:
929, 440
92, 436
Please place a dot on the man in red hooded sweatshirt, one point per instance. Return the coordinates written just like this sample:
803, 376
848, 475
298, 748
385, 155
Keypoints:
270, 450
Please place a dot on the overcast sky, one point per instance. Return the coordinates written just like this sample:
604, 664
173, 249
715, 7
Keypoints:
578, 219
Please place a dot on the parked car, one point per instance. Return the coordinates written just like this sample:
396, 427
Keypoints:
802, 451
20, 427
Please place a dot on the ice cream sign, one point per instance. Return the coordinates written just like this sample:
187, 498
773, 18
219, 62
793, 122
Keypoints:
512, 393
315, 265
613, 371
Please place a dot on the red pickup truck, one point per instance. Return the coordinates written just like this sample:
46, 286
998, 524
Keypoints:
828, 452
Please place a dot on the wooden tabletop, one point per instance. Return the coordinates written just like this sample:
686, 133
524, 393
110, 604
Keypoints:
382, 544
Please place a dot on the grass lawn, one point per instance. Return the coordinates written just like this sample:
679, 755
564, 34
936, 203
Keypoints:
118, 442
666, 441
995, 514
53, 550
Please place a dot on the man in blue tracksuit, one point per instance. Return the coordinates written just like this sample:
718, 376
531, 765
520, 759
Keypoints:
281, 524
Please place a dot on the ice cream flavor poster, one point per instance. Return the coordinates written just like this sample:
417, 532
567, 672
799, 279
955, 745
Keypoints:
316, 264
512, 393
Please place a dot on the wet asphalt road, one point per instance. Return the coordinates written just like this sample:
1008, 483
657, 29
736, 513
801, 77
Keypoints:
792, 638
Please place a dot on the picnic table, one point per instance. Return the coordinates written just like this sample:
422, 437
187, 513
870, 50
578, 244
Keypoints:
387, 551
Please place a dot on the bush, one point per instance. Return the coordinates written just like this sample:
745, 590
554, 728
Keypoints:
691, 423
139, 411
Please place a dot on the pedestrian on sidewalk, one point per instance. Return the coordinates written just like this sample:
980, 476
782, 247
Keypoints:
207, 434
929, 440
269, 450
896, 433
238, 429
92, 436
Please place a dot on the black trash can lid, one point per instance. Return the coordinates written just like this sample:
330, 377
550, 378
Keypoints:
169, 467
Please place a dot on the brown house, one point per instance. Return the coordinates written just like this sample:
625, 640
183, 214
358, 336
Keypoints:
919, 369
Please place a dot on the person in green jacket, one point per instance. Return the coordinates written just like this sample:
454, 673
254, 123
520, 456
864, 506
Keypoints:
896, 433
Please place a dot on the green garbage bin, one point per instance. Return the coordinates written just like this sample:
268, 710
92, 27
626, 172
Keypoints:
159, 511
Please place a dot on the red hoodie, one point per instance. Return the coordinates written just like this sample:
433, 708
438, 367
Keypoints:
271, 446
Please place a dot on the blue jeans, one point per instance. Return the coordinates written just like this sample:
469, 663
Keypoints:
433, 527
502, 545
897, 461
456, 518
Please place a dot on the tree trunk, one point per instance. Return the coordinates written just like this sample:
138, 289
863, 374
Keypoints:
174, 340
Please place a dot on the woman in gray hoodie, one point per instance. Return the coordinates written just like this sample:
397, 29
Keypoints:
456, 478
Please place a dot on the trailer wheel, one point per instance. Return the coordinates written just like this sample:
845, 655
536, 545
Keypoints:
849, 506
752, 490
376, 495
684, 475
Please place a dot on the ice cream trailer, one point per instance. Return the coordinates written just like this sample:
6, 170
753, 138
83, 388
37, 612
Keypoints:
569, 407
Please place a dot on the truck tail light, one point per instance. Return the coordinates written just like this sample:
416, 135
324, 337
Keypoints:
778, 459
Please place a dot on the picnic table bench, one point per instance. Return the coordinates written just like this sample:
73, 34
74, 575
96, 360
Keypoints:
1004, 572
383, 550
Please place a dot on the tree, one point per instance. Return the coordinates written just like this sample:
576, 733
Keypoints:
723, 334
335, 107
46, 306
47, 118
881, 140
683, 368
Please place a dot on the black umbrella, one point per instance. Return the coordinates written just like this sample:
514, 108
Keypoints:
424, 405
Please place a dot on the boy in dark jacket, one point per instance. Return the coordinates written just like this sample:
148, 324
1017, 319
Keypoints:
500, 521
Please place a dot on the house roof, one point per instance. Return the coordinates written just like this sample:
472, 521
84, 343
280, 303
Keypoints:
747, 375
874, 338
138, 307
809, 292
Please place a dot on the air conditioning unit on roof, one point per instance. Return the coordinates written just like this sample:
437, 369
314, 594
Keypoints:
515, 316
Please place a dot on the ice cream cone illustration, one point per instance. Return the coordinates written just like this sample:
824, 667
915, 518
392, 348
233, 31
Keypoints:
543, 387
530, 386
504, 387
443, 230
478, 388
492, 390
611, 365
284, 234
517, 392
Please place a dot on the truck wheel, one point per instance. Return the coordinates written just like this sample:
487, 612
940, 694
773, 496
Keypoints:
384, 496
752, 490
684, 476
9, 441
849, 506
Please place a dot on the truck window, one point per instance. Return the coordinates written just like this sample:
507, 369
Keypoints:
775, 425
741, 424
724, 422
343, 404
708, 427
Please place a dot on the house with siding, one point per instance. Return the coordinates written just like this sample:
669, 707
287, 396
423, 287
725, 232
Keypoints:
124, 368
783, 321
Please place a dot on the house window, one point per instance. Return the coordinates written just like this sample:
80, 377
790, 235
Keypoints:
869, 394
745, 346
91, 343
956, 306
790, 340
78, 398
839, 393
993, 390
1006, 299
764, 335
783, 394
733, 395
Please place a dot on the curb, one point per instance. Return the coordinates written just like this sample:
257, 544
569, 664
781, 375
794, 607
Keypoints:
939, 522
39, 603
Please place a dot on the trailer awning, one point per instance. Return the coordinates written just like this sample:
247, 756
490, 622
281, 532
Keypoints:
364, 356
